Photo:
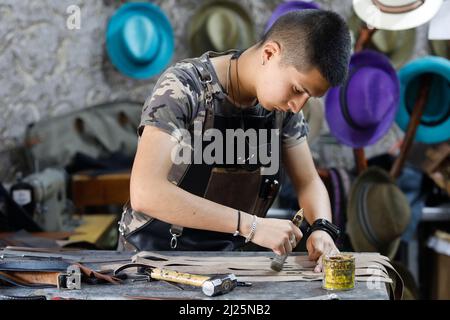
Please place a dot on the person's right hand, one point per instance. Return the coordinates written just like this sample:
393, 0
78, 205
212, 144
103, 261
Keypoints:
277, 235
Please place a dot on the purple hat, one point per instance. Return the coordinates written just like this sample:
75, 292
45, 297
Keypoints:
363, 109
285, 7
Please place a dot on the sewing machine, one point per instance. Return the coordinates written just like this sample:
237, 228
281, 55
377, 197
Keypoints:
43, 196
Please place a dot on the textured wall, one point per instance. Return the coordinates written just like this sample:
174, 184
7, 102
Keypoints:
48, 70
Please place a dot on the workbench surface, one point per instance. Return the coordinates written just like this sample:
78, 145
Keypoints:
156, 289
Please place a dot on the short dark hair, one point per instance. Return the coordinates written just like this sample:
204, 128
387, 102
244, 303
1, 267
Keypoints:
313, 38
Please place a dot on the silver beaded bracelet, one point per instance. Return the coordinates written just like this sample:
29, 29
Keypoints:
252, 230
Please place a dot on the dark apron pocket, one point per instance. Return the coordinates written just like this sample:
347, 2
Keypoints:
238, 189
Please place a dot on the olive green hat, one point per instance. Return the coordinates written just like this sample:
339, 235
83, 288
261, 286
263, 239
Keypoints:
220, 26
313, 112
440, 48
398, 46
378, 213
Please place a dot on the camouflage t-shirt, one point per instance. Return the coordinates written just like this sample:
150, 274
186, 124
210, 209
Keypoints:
179, 96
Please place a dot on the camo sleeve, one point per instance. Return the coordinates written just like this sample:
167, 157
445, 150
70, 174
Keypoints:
295, 129
170, 106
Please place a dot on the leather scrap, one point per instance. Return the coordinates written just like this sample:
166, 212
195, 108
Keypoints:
369, 267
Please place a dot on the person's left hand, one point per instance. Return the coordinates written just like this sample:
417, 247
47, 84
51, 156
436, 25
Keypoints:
320, 243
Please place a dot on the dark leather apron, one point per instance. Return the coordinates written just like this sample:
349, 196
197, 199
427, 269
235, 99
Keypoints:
239, 186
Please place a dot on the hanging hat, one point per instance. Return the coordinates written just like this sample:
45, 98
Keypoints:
434, 124
440, 48
377, 213
362, 110
288, 6
397, 45
220, 26
313, 111
139, 40
439, 32
396, 14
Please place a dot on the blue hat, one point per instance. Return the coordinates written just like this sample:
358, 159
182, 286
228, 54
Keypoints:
139, 40
434, 126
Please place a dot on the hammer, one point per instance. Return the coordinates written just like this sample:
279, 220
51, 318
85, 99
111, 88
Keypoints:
211, 286
278, 261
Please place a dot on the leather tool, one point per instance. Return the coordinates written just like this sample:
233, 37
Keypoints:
278, 261
211, 286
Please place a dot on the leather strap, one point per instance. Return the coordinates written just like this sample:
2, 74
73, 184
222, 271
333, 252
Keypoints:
22, 298
398, 9
208, 123
10, 272
34, 265
95, 276
47, 254
370, 267
17, 282
131, 265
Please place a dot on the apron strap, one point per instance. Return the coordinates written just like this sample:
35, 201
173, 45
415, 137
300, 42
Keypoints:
178, 172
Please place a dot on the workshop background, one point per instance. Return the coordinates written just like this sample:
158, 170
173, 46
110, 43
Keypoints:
51, 73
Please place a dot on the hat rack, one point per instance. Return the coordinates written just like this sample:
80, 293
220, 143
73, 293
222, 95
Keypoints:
414, 122
364, 38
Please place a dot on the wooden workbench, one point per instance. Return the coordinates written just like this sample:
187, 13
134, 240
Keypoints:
157, 289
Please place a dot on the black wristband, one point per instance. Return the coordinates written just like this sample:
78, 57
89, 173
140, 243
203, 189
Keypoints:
325, 225
236, 233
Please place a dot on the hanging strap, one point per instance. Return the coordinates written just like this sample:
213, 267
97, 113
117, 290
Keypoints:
398, 9
177, 175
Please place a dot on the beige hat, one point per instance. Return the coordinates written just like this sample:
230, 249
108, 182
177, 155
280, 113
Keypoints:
377, 213
396, 14
220, 26
397, 45
313, 111
441, 48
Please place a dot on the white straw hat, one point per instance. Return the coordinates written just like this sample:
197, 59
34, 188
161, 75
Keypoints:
396, 14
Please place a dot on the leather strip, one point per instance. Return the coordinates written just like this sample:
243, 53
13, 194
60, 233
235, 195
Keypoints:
34, 265
47, 254
306, 279
131, 265
208, 123
92, 274
398, 9
35, 277
359, 256
18, 272
369, 266
17, 282
22, 298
